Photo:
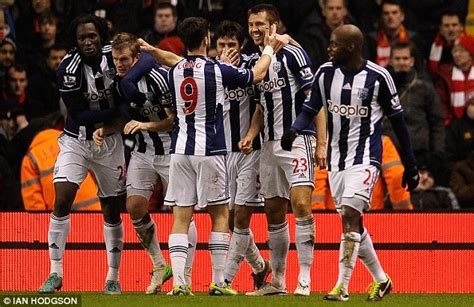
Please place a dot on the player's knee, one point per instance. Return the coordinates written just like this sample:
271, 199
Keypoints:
111, 209
350, 219
62, 205
136, 207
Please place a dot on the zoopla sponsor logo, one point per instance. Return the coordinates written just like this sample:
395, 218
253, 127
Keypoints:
239, 93
348, 111
270, 85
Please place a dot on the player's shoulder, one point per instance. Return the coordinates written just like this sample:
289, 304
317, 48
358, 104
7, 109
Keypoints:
377, 69
159, 74
107, 50
249, 60
70, 63
295, 51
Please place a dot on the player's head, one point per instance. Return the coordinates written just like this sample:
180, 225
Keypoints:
55, 55
260, 18
345, 44
194, 32
88, 33
125, 52
450, 26
402, 56
392, 15
229, 34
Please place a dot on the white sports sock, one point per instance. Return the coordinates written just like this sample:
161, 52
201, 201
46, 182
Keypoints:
192, 241
219, 246
178, 244
305, 247
237, 249
279, 243
348, 251
253, 256
57, 235
113, 234
369, 258
146, 232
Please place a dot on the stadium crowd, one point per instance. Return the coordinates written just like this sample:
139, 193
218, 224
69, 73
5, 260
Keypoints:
430, 60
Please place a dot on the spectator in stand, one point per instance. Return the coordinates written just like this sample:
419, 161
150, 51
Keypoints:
28, 22
315, 37
462, 181
428, 195
37, 188
43, 85
450, 30
7, 58
164, 34
421, 105
15, 95
391, 31
460, 135
455, 82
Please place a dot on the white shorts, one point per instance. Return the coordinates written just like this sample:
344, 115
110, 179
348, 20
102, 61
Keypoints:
281, 170
356, 181
143, 172
106, 162
200, 180
244, 184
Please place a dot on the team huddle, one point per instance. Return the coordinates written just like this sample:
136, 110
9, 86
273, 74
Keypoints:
228, 135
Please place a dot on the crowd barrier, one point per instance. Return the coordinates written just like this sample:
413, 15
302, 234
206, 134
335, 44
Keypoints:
422, 252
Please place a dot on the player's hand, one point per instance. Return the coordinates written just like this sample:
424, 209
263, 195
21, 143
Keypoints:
230, 56
320, 155
144, 46
270, 38
411, 178
133, 126
98, 136
288, 138
245, 145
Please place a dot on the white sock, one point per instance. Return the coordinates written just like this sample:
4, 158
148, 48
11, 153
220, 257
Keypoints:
348, 251
57, 235
219, 246
146, 232
279, 243
237, 249
369, 258
113, 234
192, 241
178, 245
305, 247
253, 256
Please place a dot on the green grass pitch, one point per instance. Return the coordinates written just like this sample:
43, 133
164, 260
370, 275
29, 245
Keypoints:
316, 299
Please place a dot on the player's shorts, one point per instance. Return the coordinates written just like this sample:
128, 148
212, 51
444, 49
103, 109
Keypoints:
143, 172
200, 180
281, 170
106, 162
356, 181
244, 185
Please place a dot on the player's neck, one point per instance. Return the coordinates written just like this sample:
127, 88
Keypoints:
354, 64
201, 51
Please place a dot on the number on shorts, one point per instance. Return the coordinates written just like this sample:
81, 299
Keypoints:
122, 172
300, 165
189, 93
369, 174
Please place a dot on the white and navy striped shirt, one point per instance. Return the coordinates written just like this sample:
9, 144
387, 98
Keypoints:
197, 85
239, 108
356, 103
87, 92
154, 85
281, 92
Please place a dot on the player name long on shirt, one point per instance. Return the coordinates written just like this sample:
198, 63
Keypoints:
88, 92
197, 86
281, 91
239, 108
356, 103
155, 86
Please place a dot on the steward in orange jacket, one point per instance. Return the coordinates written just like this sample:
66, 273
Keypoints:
37, 188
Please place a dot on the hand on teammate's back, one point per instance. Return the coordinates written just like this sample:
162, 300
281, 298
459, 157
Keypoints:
411, 178
98, 136
288, 138
245, 145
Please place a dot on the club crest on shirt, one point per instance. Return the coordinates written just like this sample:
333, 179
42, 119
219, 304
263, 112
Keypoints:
276, 67
363, 93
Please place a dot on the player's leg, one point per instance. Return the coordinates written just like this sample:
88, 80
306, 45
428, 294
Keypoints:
108, 166
192, 242
69, 171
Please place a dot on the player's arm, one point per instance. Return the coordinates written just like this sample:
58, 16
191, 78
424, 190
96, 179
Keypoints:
321, 138
390, 103
163, 125
261, 67
163, 57
256, 126
128, 84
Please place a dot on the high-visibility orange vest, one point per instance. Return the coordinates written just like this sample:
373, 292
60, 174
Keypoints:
390, 180
37, 188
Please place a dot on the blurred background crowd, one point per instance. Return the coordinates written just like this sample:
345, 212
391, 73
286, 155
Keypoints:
426, 45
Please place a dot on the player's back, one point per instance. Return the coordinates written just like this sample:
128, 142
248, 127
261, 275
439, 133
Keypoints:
356, 102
